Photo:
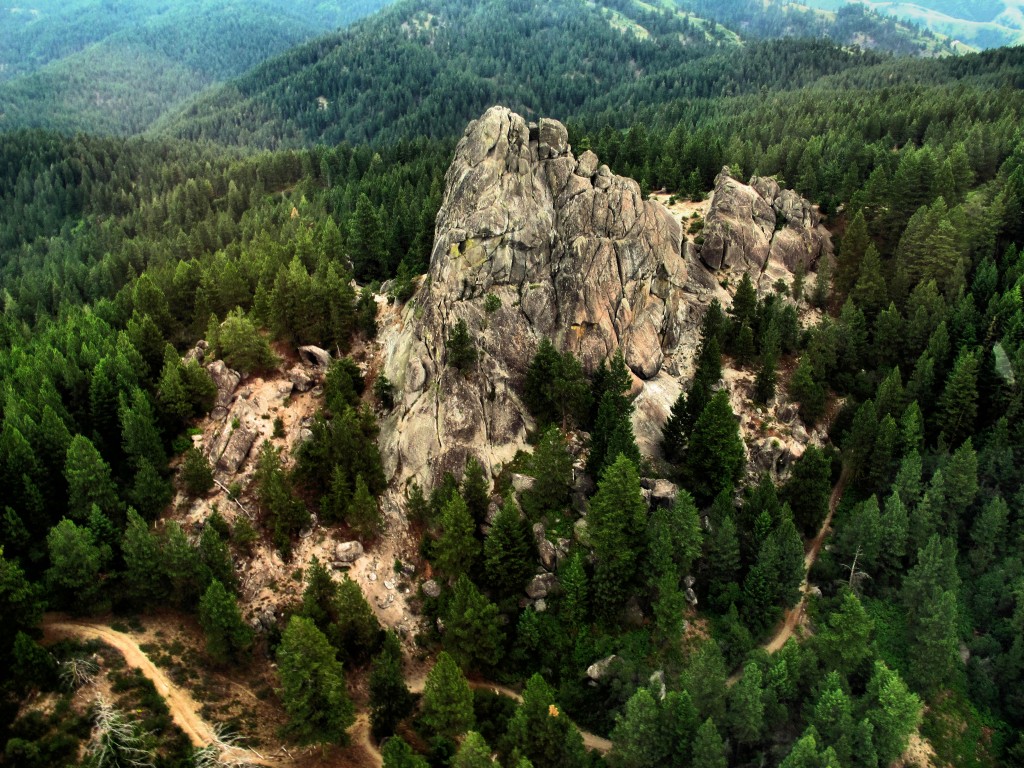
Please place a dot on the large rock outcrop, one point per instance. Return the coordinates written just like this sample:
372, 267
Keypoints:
753, 226
570, 251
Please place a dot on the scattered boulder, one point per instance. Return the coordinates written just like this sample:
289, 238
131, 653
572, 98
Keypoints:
542, 585
662, 492
311, 355
226, 381
300, 379
599, 669
586, 166
197, 353
522, 483
348, 552
431, 589
237, 449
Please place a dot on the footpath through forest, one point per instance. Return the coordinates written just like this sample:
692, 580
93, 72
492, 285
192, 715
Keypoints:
794, 616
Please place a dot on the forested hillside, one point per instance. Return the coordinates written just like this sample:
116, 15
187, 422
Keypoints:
460, 57
654, 624
116, 67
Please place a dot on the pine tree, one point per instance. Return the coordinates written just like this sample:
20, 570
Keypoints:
363, 512
456, 550
871, 292
396, 753
228, 638
508, 551
476, 490
746, 706
21, 603
551, 467
287, 514
708, 747
312, 686
617, 520
75, 575
144, 578
675, 536
473, 753
845, 643
929, 599
472, 633
196, 473
852, 252
637, 738
832, 718
447, 707
958, 405
460, 351
540, 731
893, 710
574, 603
89, 480
809, 488
675, 432
716, 456
390, 699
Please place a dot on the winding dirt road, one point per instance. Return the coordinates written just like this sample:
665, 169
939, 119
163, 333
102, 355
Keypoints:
184, 709
795, 614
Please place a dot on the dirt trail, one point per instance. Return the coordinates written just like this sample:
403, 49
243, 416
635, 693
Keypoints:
795, 615
591, 741
184, 709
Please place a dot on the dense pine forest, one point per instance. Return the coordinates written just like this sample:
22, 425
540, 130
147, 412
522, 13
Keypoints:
259, 220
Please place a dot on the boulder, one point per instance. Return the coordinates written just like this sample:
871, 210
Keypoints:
197, 353
587, 164
431, 589
554, 139
599, 669
522, 483
749, 225
300, 379
311, 355
541, 585
662, 492
348, 552
226, 381
237, 449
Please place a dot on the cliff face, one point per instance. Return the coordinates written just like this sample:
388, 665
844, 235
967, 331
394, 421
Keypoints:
571, 252
533, 242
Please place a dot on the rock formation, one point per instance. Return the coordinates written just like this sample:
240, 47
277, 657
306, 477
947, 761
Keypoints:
752, 226
533, 242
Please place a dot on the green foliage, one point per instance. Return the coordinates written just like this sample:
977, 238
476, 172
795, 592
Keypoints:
616, 525
556, 390
473, 635
241, 346
312, 686
340, 611
286, 514
196, 473
541, 732
716, 456
75, 575
708, 747
460, 350
447, 707
509, 551
228, 637
396, 753
390, 699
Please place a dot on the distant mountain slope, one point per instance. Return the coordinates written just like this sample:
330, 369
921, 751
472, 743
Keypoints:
976, 23
110, 66
426, 67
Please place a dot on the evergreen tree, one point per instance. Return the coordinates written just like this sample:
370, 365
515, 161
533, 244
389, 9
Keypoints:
461, 352
363, 512
958, 405
708, 747
89, 480
475, 490
573, 605
508, 551
929, 599
832, 718
617, 520
893, 710
716, 456
196, 473
456, 550
852, 252
871, 292
808, 489
473, 753
675, 432
75, 575
20, 602
144, 579
286, 514
845, 643
551, 467
540, 731
312, 686
447, 707
472, 633
612, 435
390, 699
746, 706
396, 753
227, 635
637, 737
